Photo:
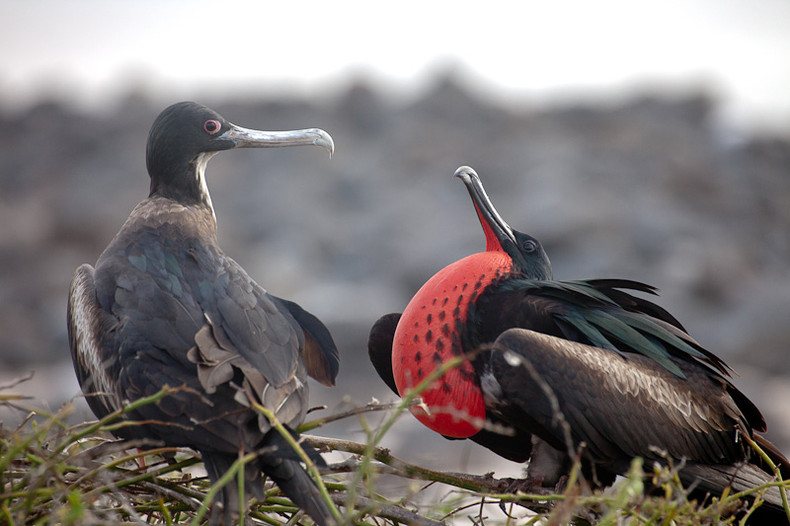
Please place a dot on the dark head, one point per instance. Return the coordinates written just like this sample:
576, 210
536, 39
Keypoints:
526, 252
186, 135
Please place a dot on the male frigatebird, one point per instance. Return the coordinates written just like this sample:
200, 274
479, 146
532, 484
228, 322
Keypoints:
165, 306
566, 366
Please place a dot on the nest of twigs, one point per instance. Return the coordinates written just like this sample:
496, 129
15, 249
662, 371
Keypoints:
52, 473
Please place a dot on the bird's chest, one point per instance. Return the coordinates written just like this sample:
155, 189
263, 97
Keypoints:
429, 334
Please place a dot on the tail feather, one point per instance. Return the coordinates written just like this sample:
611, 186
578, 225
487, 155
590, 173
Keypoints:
775, 455
280, 463
708, 479
297, 485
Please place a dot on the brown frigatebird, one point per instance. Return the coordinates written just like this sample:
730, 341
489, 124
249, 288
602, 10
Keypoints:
165, 306
567, 366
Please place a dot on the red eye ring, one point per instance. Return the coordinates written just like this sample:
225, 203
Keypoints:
212, 126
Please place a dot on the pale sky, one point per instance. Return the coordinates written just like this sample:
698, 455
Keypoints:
88, 51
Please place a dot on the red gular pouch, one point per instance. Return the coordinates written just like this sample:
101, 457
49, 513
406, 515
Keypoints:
429, 334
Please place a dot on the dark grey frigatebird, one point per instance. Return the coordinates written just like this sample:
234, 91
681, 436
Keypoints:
165, 306
568, 366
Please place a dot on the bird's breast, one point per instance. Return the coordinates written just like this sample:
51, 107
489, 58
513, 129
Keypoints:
429, 334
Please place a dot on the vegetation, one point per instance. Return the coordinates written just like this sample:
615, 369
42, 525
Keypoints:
51, 473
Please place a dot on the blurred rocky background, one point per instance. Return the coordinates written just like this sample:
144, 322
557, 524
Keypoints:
648, 188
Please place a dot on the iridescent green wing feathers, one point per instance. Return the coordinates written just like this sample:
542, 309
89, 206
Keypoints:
601, 313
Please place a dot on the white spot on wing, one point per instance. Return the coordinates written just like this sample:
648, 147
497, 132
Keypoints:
512, 359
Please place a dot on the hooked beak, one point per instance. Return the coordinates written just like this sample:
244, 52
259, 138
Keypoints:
498, 232
247, 138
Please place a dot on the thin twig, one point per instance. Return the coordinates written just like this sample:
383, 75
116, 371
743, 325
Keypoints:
485, 483
370, 407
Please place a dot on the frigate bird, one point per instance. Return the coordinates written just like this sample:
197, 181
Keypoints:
567, 366
165, 306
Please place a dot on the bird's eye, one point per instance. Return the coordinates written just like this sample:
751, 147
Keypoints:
212, 126
530, 246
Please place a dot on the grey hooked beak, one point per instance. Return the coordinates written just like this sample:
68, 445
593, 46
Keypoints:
247, 138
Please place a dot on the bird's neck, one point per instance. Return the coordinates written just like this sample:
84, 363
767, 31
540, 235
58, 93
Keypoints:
185, 183
195, 221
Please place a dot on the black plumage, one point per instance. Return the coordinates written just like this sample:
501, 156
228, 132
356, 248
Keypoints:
165, 306
571, 363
